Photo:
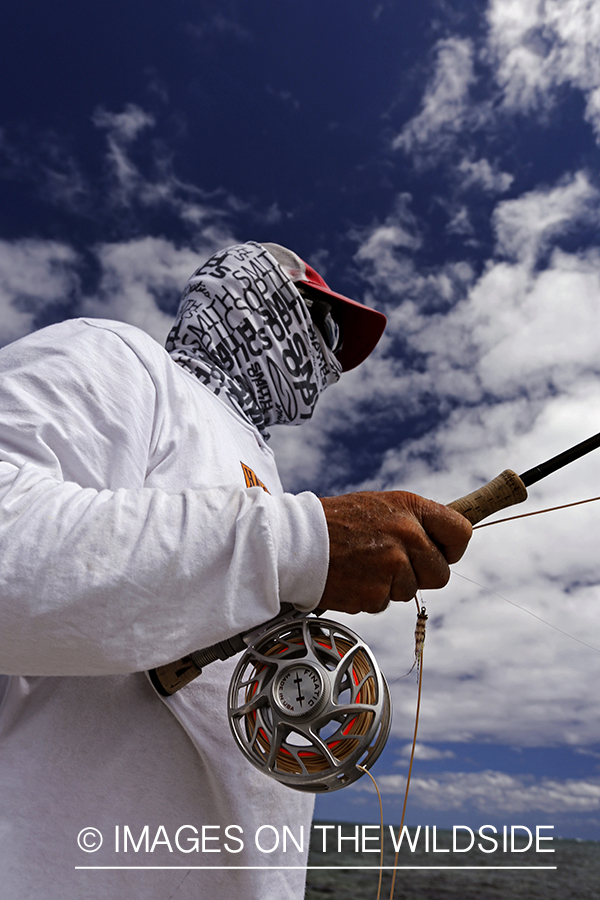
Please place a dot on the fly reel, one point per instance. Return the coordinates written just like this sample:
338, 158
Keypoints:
308, 704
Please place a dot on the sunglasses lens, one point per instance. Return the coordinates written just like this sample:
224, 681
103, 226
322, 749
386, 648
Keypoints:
320, 313
331, 332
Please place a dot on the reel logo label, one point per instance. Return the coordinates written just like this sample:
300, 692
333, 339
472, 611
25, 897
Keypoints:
299, 690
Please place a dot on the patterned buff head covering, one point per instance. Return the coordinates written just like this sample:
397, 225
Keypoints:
244, 330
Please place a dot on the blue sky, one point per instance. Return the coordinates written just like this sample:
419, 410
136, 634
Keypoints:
436, 160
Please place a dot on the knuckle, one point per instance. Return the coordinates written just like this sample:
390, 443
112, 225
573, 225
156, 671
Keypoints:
444, 577
396, 559
435, 576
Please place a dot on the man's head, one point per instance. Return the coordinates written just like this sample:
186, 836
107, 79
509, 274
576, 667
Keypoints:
359, 326
262, 329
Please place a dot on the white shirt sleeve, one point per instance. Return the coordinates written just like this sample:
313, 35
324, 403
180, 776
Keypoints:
107, 580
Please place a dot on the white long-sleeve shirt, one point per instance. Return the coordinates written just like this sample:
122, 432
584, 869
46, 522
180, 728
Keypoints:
129, 538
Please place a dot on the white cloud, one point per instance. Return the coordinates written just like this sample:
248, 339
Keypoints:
140, 276
497, 791
501, 337
460, 223
133, 180
379, 247
582, 751
34, 274
284, 96
423, 752
446, 105
525, 225
530, 53
121, 130
228, 26
537, 47
483, 174
130, 184
140, 281
136, 275
65, 184
220, 25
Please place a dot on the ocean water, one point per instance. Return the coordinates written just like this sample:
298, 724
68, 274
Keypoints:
576, 875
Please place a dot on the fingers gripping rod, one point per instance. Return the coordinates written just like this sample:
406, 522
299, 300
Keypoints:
509, 488
505, 490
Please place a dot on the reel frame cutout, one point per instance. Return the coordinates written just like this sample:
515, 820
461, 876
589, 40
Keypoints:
308, 703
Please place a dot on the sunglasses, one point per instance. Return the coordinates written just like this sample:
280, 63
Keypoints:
321, 314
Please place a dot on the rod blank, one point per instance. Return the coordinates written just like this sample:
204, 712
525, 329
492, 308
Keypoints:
562, 459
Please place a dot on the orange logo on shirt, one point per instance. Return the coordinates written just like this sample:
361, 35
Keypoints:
251, 479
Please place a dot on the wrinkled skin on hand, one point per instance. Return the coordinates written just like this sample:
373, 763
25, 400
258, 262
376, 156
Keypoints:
386, 545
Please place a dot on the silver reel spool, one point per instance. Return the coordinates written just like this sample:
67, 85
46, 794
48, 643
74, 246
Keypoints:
308, 703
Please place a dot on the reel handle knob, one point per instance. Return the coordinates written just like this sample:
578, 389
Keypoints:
504, 490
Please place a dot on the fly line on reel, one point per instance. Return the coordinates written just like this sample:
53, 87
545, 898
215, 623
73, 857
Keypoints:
308, 703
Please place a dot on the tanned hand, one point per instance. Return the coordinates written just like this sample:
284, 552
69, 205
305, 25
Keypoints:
383, 546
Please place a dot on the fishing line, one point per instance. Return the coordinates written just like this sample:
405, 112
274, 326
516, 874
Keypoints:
419, 643
528, 611
512, 603
412, 756
362, 768
538, 512
179, 885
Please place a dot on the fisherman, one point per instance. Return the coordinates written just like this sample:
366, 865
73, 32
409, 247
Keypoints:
142, 518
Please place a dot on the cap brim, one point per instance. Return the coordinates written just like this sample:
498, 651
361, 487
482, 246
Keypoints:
362, 327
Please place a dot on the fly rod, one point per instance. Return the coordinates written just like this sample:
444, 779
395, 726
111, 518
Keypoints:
508, 488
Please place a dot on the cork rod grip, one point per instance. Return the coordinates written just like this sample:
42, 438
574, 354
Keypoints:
504, 490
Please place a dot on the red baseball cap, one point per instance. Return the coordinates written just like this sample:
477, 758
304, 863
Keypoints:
361, 326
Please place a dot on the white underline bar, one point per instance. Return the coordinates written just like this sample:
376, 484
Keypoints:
308, 868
